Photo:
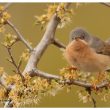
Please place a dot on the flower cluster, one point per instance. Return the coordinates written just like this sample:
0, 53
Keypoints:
31, 90
9, 40
62, 13
70, 73
25, 55
4, 16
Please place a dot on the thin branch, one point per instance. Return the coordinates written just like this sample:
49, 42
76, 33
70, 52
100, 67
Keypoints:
14, 63
36, 72
20, 37
3, 82
93, 100
105, 4
59, 44
8, 104
19, 63
5, 8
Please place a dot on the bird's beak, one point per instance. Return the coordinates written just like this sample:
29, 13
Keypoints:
77, 38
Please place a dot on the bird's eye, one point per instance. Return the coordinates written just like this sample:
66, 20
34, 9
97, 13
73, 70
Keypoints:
72, 38
82, 37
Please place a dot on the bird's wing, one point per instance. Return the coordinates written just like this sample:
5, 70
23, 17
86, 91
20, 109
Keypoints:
97, 44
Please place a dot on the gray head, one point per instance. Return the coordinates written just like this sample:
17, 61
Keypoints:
96, 43
79, 33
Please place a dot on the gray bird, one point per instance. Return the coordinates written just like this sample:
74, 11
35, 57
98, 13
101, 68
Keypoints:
96, 43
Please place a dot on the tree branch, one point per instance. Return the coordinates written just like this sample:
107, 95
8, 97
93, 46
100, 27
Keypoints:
36, 72
8, 104
59, 44
43, 44
92, 98
20, 37
105, 4
3, 82
5, 8
47, 39
12, 61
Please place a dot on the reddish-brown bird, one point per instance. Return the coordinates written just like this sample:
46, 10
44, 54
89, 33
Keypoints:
78, 53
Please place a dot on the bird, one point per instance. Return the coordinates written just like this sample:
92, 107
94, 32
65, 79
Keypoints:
94, 42
81, 55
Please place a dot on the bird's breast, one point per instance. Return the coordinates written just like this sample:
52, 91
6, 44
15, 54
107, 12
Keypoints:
87, 61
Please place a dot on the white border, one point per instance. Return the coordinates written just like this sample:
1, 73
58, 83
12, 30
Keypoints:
40, 1
54, 108
54, 0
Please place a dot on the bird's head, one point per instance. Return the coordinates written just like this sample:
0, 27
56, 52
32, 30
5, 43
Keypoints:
79, 33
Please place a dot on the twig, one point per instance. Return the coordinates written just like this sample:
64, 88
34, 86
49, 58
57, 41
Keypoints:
59, 44
9, 103
14, 63
5, 8
19, 63
3, 83
105, 4
20, 37
36, 72
93, 100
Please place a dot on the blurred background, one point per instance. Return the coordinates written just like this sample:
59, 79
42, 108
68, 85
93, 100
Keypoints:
94, 17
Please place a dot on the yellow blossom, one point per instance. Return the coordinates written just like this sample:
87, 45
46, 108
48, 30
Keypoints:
25, 55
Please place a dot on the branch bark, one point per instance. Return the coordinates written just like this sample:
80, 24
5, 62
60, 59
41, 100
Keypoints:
42, 46
47, 39
3, 82
36, 72
59, 44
